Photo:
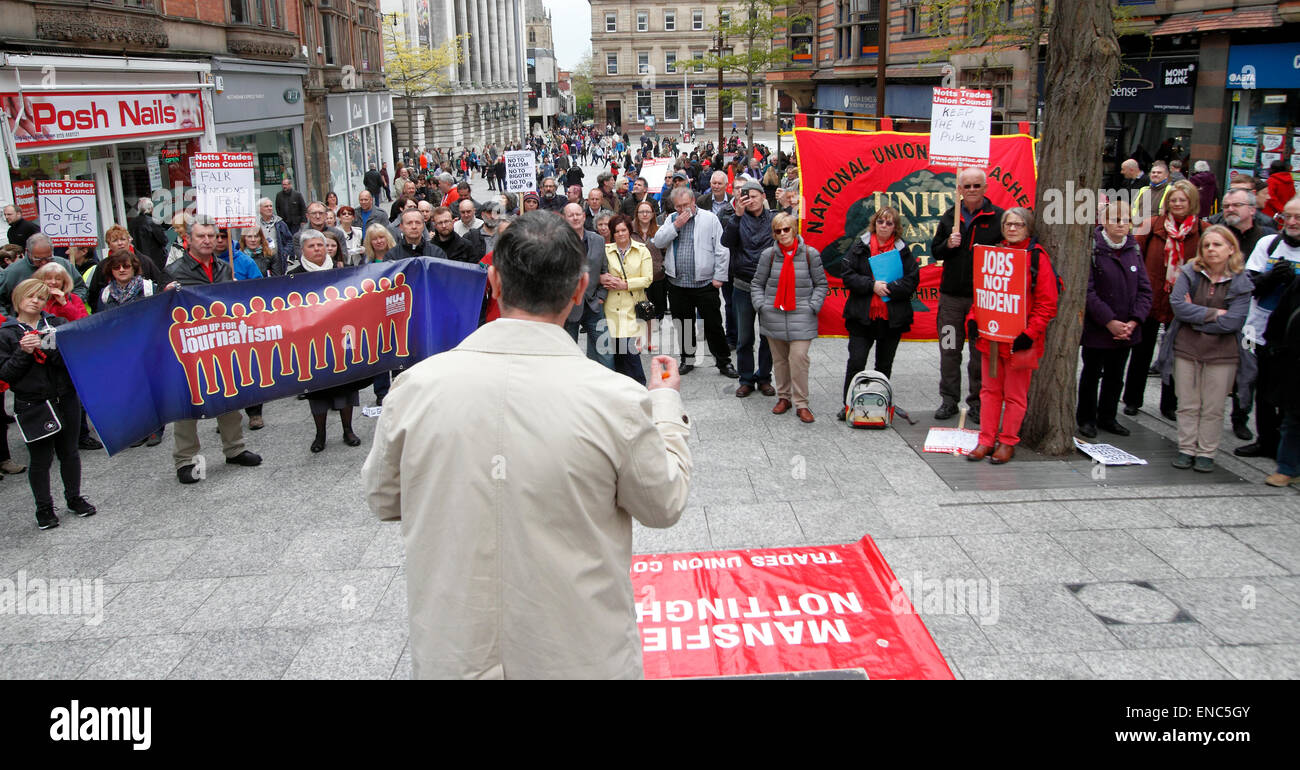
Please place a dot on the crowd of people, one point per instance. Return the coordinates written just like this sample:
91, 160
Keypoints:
720, 246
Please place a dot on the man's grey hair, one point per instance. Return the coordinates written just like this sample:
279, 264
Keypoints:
312, 235
1247, 194
682, 192
603, 177
203, 220
718, 175
446, 178
1200, 166
37, 240
144, 205
603, 216
264, 201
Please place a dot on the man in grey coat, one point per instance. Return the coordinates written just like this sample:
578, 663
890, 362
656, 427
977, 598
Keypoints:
590, 315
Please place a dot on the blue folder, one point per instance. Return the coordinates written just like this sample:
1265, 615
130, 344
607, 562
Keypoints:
887, 266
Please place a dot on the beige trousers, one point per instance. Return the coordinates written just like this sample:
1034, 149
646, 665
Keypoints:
1201, 390
187, 438
790, 370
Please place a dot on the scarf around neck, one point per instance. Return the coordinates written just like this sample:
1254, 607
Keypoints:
785, 287
312, 267
877, 310
123, 294
1174, 238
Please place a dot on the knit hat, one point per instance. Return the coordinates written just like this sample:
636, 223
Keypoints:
752, 186
536, 199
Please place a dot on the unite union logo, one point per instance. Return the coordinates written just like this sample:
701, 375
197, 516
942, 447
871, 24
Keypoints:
209, 343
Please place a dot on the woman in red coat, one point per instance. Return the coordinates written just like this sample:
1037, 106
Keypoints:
1009, 388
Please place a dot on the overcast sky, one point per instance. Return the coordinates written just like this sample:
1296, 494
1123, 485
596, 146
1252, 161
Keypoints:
571, 26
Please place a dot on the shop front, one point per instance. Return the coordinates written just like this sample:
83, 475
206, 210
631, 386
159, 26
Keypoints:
360, 135
1265, 85
903, 101
1150, 115
258, 108
127, 125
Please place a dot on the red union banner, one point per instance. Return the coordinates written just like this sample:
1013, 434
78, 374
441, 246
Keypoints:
723, 613
1001, 286
846, 176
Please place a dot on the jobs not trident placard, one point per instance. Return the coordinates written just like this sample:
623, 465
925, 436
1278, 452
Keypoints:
223, 187
1001, 289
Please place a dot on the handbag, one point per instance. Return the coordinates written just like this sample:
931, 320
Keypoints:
36, 420
645, 309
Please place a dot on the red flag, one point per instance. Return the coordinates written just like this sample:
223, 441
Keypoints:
731, 177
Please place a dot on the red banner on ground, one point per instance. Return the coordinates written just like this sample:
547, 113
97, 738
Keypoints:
846, 176
1001, 287
773, 610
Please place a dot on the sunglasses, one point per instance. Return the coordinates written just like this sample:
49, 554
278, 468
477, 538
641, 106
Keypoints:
972, 187
781, 230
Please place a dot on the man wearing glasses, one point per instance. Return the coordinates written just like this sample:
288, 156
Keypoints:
956, 250
748, 236
40, 252
198, 267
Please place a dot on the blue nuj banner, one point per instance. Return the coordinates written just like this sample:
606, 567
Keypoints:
200, 352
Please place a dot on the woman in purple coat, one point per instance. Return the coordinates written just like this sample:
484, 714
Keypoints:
1119, 299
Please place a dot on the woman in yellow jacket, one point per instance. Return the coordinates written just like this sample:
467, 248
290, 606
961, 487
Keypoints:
629, 272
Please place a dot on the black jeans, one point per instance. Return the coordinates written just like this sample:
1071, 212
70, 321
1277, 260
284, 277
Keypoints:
709, 304
1268, 413
1105, 366
861, 338
63, 444
1135, 381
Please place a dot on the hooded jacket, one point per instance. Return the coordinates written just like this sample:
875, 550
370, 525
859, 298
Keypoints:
1187, 313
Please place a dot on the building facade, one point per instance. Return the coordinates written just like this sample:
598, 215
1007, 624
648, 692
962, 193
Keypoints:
481, 105
1197, 82
160, 80
641, 72
543, 71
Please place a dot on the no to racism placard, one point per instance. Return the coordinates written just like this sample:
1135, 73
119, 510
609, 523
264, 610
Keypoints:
68, 212
521, 171
1001, 291
223, 187
773, 610
960, 127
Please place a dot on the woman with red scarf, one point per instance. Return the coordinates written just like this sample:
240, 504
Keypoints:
1173, 239
788, 289
1016, 362
877, 311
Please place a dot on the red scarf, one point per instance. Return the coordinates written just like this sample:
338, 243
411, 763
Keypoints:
878, 310
785, 294
1174, 235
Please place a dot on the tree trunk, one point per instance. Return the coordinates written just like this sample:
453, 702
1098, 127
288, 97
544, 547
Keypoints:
1082, 62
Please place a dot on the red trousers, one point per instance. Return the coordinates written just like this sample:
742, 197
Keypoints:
1009, 389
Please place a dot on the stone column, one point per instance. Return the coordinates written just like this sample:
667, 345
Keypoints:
509, 39
495, 14
462, 19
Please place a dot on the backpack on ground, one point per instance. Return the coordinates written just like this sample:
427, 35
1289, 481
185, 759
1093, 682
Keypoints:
870, 400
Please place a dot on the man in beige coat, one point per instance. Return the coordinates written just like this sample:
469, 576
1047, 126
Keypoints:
516, 466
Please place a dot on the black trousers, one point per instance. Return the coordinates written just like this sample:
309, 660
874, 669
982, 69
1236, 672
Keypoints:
64, 445
707, 301
1104, 366
1268, 413
1135, 381
861, 338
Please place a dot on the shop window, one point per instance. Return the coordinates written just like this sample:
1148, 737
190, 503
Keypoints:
670, 105
642, 104
697, 101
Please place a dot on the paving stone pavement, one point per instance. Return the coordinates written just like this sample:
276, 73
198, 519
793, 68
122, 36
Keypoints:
280, 571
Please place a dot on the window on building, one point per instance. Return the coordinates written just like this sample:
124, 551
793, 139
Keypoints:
670, 21
670, 61
698, 57
726, 105
800, 34
987, 18
260, 13
611, 22
724, 17
642, 21
611, 64
697, 19
642, 104
327, 21
532, 36
756, 107
937, 23
697, 101
911, 17
670, 106
643, 63
997, 79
